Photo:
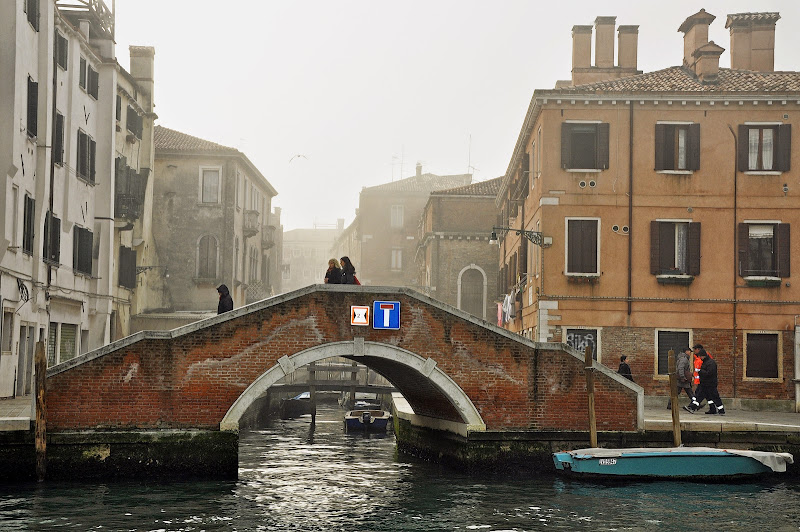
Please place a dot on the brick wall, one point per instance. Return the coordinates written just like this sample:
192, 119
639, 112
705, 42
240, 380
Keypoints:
190, 381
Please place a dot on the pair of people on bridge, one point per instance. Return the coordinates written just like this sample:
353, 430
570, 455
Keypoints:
344, 274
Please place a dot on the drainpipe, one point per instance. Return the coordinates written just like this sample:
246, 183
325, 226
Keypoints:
630, 207
796, 365
736, 256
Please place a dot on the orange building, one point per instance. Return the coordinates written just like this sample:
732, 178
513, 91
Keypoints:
664, 203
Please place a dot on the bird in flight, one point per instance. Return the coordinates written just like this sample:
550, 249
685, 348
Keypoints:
298, 155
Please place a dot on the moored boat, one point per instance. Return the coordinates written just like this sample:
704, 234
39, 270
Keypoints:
296, 406
366, 420
670, 462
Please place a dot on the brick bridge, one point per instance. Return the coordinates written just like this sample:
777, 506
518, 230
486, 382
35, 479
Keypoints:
458, 373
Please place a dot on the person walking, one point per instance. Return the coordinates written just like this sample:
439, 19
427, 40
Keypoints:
334, 273
225, 299
624, 368
684, 375
348, 271
707, 389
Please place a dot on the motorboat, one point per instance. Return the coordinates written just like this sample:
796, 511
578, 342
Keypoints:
366, 420
670, 462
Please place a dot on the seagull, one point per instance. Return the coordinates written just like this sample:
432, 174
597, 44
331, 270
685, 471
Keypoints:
298, 155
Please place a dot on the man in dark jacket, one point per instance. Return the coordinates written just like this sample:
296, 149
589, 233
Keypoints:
225, 299
624, 368
707, 389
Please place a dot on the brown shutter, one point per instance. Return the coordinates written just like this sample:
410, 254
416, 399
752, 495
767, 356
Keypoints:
744, 243
655, 258
33, 107
742, 151
565, 145
693, 249
660, 132
523, 256
91, 154
783, 245
784, 147
693, 155
602, 146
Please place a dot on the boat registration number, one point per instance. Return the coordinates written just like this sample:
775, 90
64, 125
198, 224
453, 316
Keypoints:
607, 461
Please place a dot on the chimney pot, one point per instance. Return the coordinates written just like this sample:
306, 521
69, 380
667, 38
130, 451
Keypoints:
419, 169
84, 26
604, 42
628, 46
142, 67
753, 40
695, 35
707, 62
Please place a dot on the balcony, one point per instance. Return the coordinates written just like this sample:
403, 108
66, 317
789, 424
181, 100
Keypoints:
250, 223
267, 236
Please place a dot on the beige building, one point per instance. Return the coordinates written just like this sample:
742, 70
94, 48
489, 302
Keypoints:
214, 223
306, 253
664, 203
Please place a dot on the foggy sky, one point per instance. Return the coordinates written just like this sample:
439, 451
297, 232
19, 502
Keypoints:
359, 87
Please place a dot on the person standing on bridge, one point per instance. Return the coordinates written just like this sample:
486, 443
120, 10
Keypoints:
348, 272
225, 299
334, 273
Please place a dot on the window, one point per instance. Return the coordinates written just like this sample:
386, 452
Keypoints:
236, 259
762, 355
118, 110
580, 338
86, 156
397, 259
286, 272
584, 145
58, 145
82, 73
134, 122
677, 146
252, 274
13, 238
31, 7
62, 51
764, 250
583, 246
674, 248
666, 340
33, 107
52, 239
397, 216
127, 267
68, 342
93, 82
764, 148
29, 224
82, 250
209, 185
207, 257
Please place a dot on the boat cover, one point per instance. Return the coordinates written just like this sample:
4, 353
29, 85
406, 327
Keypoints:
775, 461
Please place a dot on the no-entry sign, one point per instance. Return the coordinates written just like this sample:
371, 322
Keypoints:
385, 314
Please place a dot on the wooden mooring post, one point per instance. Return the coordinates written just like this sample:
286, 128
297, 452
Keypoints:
590, 392
40, 361
312, 390
673, 397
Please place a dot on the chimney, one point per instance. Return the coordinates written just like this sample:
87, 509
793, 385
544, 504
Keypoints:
628, 45
340, 224
84, 26
604, 42
707, 62
142, 69
581, 47
753, 40
419, 169
695, 35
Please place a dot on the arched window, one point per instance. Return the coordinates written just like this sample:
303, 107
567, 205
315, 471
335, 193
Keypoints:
207, 257
472, 291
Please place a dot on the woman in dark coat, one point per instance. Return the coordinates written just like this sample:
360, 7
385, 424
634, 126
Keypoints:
348, 271
225, 299
334, 273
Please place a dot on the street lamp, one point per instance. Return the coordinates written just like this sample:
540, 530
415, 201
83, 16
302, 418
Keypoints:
534, 236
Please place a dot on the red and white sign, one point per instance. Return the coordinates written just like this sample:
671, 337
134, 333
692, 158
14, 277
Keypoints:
359, 315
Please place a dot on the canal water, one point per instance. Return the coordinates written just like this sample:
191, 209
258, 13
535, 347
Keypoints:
294, 478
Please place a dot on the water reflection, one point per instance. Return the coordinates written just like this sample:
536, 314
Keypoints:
297, 477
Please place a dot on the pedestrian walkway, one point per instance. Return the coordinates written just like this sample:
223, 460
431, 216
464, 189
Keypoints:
16, 413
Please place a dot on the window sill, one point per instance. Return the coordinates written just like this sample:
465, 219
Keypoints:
762, 172
675, 172
584, 170
762, 379
679, 278
31, 138
52, 263
583, 279
86, 180
762, 281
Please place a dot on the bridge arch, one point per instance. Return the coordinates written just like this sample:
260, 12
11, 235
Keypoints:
358, 349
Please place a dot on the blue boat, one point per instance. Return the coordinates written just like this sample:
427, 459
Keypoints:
670, 462
366, 420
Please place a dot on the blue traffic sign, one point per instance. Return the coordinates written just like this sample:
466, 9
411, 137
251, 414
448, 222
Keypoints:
385, 314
